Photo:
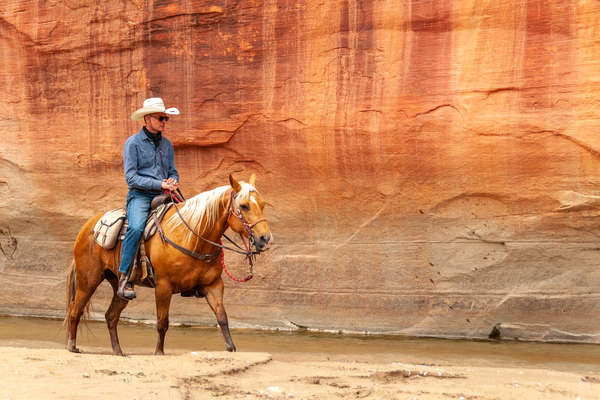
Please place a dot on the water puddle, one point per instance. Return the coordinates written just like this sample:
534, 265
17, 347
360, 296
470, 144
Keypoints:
289, 346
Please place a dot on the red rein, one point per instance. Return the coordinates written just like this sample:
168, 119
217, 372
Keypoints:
233, 278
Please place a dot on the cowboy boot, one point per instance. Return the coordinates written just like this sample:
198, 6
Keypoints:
125, 290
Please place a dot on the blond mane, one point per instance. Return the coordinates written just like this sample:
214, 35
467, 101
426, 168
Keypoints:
202, 211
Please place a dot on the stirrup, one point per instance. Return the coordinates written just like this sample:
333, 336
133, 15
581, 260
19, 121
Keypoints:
125, 289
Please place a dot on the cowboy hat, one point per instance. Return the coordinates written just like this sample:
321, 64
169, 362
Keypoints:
151, 106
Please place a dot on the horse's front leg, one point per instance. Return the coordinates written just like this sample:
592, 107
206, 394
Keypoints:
163, 301
214, 297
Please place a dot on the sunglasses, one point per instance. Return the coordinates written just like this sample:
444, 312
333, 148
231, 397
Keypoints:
161, 118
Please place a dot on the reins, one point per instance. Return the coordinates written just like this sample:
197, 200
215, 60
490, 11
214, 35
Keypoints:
250, 255
233, 278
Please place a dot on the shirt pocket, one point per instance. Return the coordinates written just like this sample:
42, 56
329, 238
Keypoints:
146, 157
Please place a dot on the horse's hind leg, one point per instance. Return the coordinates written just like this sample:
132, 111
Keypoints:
114, 313
84, 289
214, 297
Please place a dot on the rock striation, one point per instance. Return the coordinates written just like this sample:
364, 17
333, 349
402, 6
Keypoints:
431, 166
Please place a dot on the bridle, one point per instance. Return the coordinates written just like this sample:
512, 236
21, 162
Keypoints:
247, 227
232, 209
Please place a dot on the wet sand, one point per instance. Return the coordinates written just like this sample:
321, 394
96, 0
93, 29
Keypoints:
276, 365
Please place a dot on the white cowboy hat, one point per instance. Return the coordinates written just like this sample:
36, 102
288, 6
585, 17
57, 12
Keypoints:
151, 106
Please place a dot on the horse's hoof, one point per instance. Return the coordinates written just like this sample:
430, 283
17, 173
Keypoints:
231, 349
73, 349
159, 353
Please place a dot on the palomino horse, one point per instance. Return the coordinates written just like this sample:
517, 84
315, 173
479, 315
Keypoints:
196, 228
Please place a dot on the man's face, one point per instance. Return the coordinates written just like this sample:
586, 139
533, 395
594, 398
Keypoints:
154, 123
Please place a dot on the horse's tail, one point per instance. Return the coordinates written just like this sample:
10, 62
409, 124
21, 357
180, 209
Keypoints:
70, 294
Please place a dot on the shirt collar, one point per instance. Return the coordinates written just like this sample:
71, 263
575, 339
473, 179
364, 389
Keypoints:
153, 137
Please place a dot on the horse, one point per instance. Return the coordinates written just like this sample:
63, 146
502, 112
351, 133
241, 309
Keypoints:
187, 261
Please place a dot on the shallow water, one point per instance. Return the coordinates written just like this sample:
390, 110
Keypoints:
141, 339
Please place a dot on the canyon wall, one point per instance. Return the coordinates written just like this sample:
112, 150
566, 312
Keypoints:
431, 167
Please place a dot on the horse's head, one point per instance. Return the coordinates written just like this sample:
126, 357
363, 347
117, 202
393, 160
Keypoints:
246, 216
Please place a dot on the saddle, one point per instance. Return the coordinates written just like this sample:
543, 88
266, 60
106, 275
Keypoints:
111, 228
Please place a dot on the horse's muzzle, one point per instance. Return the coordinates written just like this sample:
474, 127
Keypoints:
263, 242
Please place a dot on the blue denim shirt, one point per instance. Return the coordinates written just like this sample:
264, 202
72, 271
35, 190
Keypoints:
146, 165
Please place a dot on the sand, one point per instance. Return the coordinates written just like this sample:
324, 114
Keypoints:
49, 373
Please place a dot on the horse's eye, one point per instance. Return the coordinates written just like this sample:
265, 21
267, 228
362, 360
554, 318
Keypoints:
244, 207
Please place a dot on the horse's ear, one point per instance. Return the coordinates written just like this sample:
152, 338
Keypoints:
252, 180
235, 184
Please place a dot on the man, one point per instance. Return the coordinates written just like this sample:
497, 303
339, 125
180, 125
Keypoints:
148, 159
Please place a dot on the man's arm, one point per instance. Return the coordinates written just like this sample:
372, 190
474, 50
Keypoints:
172, 183
172, 171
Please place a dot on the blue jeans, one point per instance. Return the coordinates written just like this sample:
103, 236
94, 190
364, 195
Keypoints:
138, 208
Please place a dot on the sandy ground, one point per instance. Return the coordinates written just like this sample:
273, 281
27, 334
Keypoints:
34, 373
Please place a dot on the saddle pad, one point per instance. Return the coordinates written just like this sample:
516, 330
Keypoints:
106, 230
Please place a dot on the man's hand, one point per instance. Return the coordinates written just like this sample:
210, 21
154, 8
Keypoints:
170, 184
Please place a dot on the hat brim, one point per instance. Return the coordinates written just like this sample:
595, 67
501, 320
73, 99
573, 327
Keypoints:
139, 114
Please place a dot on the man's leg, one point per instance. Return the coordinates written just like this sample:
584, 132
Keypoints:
138, 207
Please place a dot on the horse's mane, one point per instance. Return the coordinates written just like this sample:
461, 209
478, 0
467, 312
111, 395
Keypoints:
204, 207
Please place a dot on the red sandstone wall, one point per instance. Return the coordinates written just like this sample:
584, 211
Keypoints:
432, 166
